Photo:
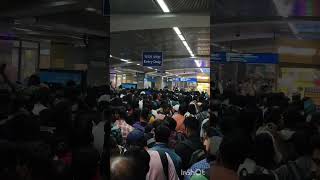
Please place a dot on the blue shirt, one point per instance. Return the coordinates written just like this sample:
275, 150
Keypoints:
174, 156
195, 168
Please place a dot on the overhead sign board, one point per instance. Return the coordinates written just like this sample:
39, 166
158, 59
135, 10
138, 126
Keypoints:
152, 59
249, 58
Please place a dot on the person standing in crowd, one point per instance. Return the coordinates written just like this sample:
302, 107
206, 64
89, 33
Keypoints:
119, 117
191, 144
162, 135
179, 118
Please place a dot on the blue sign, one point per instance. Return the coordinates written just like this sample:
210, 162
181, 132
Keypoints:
186, 80
60, 77
249, 58
219, 57
152, 59
253, 58
129, 86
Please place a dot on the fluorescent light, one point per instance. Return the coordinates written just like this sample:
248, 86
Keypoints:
297, 51
201, 70
138, 64
90, 9
123, 60
186, 44
181, 37
177, 30
163, 6
198, 63
61, 3
150, 68
129, 62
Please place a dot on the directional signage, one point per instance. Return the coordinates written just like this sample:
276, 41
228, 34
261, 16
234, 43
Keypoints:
152, 59
249, 58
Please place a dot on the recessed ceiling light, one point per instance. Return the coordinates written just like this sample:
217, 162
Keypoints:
163, 6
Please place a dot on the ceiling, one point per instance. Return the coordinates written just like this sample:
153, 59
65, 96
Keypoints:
131, 44
138, 27
255, 26
66, 21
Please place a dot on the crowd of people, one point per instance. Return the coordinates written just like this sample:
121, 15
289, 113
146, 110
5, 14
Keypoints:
46, 130
65, 132
158, 135
265, 136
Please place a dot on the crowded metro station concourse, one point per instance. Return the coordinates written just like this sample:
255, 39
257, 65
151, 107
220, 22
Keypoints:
160, 90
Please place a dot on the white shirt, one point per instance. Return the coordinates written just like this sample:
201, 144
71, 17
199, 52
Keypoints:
98, 134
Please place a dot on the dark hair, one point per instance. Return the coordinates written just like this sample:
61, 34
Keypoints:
162, 134
264, 151
182, 108
192, 109
85, 163
192, 123
145, 114
233, 149
142, 159
170, 122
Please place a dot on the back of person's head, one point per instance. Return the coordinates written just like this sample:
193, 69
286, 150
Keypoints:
85, 163
192, 125
34, 80
192, 109
273, 116
264, 151
162, 134
170, 122
142, 159
136, 138
123, 168
233, 150
183, 108
144, 115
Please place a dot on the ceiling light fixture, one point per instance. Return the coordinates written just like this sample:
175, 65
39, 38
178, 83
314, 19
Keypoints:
61, 3
124, 60
177, 30
138, 64
181, 37
110, 55
201, 70
163, 6
198, 63
90, 9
